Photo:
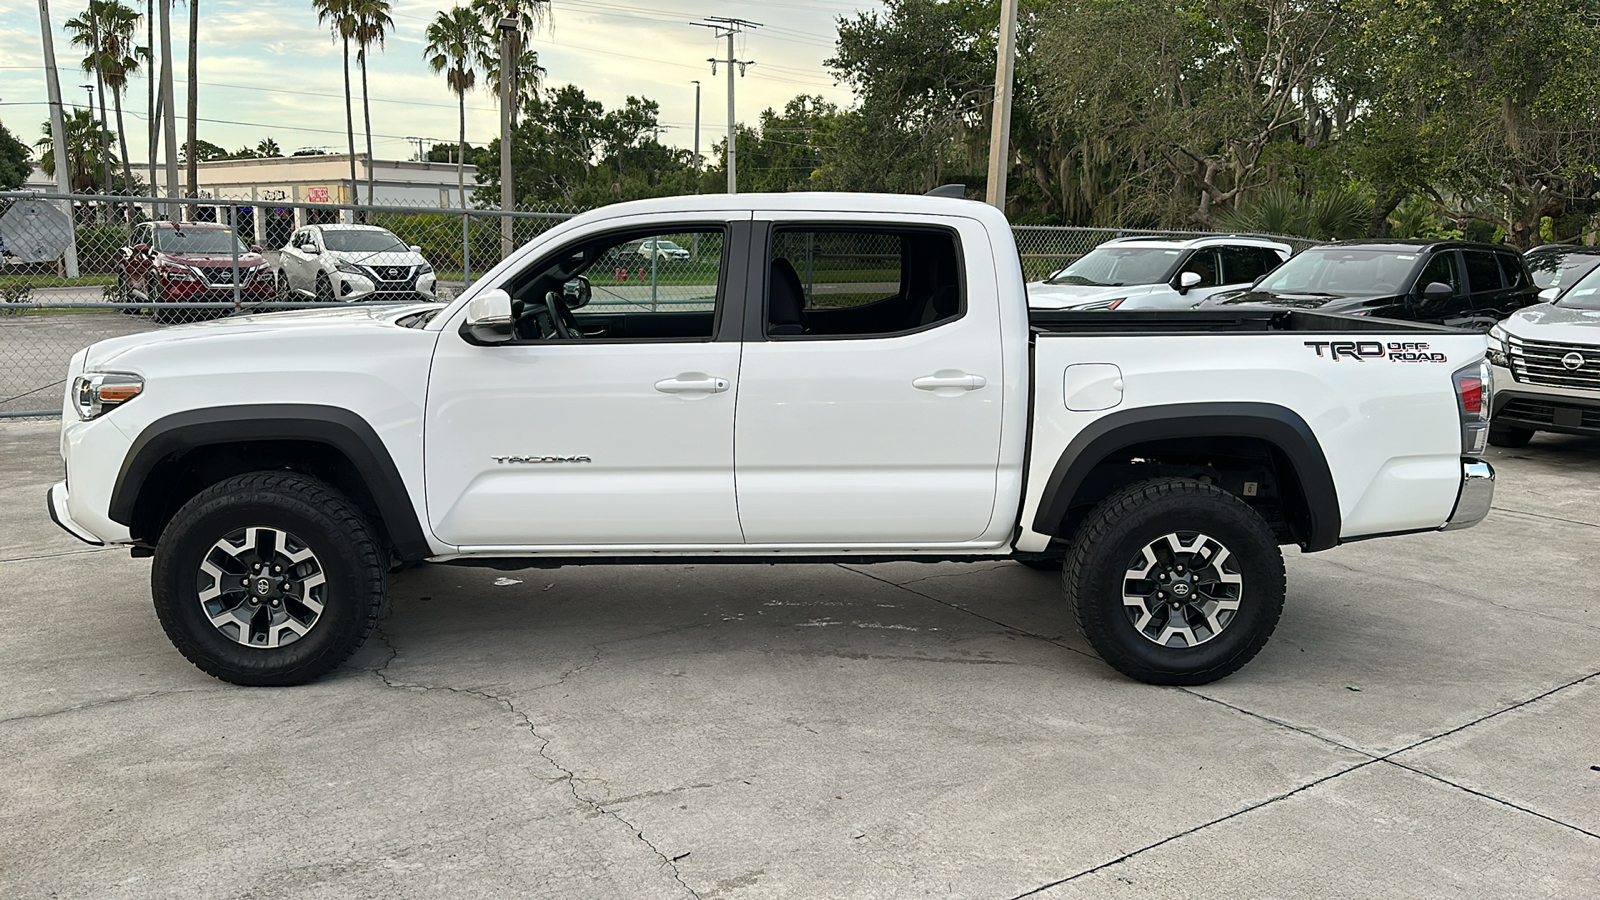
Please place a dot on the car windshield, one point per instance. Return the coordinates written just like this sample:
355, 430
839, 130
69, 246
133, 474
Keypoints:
198, 240
665, 245
1558, 269
1115, 266
362, 241
1583, 295
1342, 272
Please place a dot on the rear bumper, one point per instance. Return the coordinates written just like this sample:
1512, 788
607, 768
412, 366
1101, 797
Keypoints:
56, 502
1475, 496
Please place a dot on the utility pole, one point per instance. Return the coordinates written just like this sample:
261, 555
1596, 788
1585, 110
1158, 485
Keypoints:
421, 151
696, 83
1000, 133
105, 144
170, 113
100, 88
725, 27
58, 135
508, 65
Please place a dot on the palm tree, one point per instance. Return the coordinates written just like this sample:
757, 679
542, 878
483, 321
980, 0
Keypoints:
525, 80
337, 14
113, 60
372, 24
267, 147
83, 151
457, 45
529, 15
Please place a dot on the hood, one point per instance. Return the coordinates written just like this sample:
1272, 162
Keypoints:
302, 323
1560, 324
210, 260
1319, 302
1043, 295
381, 258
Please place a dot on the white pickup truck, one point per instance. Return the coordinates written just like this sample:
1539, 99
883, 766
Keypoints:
826, 377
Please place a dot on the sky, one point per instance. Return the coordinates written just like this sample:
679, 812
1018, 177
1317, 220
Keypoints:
267, 69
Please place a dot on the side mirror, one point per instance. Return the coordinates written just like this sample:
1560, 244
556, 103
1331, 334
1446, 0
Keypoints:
489, 317
255, 248
577, 293
1188, 280
309, 248
1549, 294
141, 248
416, 248
1437, 292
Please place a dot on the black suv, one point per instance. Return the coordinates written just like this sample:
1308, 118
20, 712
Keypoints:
1556, 267
1445, 282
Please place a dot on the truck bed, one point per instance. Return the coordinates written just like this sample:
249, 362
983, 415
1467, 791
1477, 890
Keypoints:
1186, 321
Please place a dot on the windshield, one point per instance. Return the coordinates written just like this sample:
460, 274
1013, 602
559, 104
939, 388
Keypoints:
362, 241
1583, 295
1558, 270
1115, 266
1342, 272
198, 240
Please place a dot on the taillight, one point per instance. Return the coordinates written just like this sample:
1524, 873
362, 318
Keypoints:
1474, 397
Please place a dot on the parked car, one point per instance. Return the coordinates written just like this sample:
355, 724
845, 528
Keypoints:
353, 262
1157, 273
663, 250
1546, 360
1556, 267
189, 262
277, 467
1444, 282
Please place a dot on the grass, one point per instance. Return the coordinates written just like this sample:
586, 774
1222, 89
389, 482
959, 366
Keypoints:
45, 280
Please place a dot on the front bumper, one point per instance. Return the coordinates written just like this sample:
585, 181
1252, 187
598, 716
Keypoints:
1475, 496
349, 286
56, 502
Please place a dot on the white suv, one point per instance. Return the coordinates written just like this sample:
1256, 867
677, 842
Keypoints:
1157, 273
1546, 362
353, 262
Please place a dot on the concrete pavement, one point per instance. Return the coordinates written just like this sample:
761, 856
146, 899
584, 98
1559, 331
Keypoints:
1422, 724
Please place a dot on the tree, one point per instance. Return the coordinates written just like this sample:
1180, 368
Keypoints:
456, 46
267, 147
114, 58
372, 23
339, 16
204, 151
14, 165
83, 152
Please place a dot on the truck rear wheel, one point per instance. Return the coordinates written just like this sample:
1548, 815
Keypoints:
1507, 436
270, 578
1174, 581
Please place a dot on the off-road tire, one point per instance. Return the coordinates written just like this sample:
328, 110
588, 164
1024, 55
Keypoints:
1112, 540
344, 547
1509, 436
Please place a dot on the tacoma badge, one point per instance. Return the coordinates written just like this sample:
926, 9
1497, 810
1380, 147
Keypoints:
540, 459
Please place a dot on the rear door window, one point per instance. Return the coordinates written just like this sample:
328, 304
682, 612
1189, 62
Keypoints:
1483, 273
1242, 265
1512, 269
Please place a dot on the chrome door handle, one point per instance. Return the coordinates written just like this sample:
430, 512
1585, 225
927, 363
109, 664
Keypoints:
691, 382
946, 379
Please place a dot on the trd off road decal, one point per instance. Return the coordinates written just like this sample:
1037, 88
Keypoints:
1361, 351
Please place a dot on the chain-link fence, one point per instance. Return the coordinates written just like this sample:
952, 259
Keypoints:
78, 269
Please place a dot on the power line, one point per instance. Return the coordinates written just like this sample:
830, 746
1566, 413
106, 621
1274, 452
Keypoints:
725, 27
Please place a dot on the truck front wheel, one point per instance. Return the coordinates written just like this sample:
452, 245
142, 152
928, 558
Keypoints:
270, 578
1174, 581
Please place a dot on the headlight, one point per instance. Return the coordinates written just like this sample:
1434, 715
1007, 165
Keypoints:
97, 394
351, 269
1103, 304
424, 269
174, 272
1497, 347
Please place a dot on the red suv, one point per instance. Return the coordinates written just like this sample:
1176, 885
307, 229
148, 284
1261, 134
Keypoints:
168, 262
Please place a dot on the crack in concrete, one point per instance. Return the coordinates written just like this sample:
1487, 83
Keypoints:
1523, 512
58, 555
989, 567
81, 707
568, 776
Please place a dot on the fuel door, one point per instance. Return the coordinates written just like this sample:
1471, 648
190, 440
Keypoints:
1092, 386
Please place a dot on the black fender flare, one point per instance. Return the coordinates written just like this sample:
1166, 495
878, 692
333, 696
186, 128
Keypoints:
340, 429
1280, 427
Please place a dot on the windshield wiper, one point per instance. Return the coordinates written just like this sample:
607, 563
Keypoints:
1078, 279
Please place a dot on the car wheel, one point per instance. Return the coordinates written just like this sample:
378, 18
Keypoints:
1507, 436
163, 312
124, 295
270, 578
1174, 581
324, 288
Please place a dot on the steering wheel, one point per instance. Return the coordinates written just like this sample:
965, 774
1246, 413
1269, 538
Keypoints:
561, 318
